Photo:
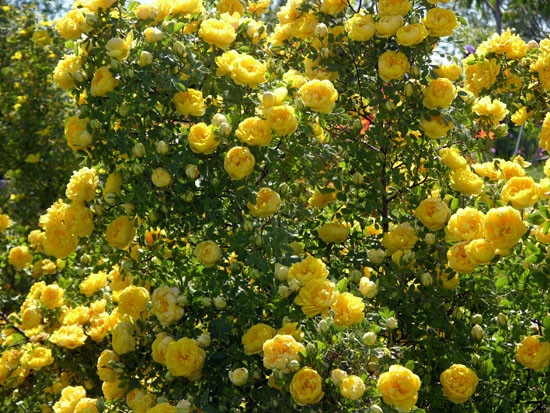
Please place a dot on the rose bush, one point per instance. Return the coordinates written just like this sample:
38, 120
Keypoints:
285, 213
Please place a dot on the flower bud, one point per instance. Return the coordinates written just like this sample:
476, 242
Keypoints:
162, 148
323, 326
248, 226
184, 406
357, 179
458, 313
283, 188
532, 44
188, 196
426, 279
337, 376
369, 338
138, 150
94, 124
258, 240
430, 239
123, 109
269, 99
220, 302
145, 58
294, 284
355, 275
409, 90
320, 30
376, 256
281, 272
204, 340
218, 119
476, 319
206, 302
254, 273
138, 169
85, 259
477, 332
283, 291
182, 300
502, 319
152, 34
191, 171
294, 365
376, 409
179, 48
224, 128
239, 376
390, 106
367, 287
325, 52
391, 323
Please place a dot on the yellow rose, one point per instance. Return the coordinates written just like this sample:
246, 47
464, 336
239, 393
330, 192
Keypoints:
400, 237
504, 227
36, 357
217, 33
435, 127
230, 6
186, 7
95, 5
239, 162
481, 251
208, 253
520, 116
76, 133
164, 305
521, 192
52, 296
145, 11
225, 62
103, 82
333, 232
452, 158
282, 119
399, 387
440, 22
308, 269
459, 383
411, 34
113, 390
465, 181
459, 260
118, 48
184, 358
161, 178
464, 225
321, 200
70, 396
140, 400
505, 43
163, 408
268, 202
255, 337
439, 93
132, 301
254, 131
392, 65
348, 309
20, 257
72, 25
113, 184
480, 75
120, 232
433, 213
352, 387
492, 110
247, 71
59, 242
316, 296
391, 7
159, 347
387, 25
332, 7
122, 339
189, 102
66, 70
105, 369
93, 283
306, 387
533, 353
69, 337
319, 95
360, 27
5, 222
82, 185
280, 350
202, 139
450, 71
